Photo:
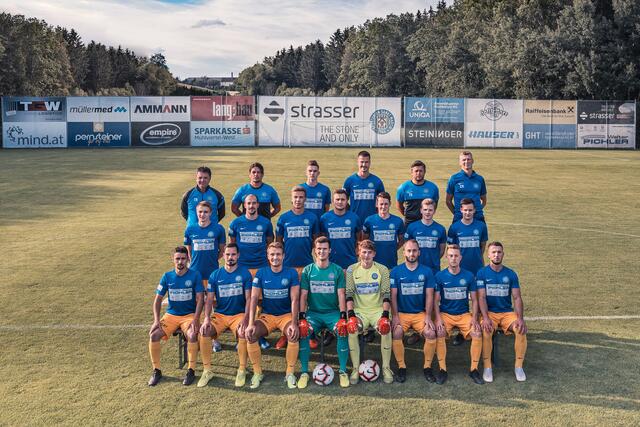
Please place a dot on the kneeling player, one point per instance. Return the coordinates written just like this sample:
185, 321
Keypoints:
230, 287
368, 304
185, 305
322, 305
499, 283
411, 298
280, 291
453, 286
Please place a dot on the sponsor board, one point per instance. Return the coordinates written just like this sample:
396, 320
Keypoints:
549, 124
98, 109
160, 134
34, 135
21, 109
549, 136
160, 109
329, 121
222, 108
211, 134
606, 124
493, 123
97, 134
434, 134
434, 110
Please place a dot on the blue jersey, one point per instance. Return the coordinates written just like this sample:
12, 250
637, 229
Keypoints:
498, 287
182, 291
251, 236
317, 198
276, 289
412, 195
469, 238
412, 287
229, 289
454, 290
266, 195
342, 231
429, 238
204, 243
385, 233
362, 194
462, 186
297, 232
194, 196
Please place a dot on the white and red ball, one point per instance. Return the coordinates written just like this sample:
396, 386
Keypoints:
323, 374
369, 370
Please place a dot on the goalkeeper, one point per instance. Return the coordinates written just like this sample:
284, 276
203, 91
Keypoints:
368, 304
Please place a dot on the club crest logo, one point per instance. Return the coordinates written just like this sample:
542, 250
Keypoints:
347, 222
285, 282
434, 233
259, 228
463, 282
421, 277
505, 279
374, 276
188, 283
238, 278
493, 110
210, 234
382, 121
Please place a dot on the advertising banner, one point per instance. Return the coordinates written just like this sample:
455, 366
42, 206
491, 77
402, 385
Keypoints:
329, 121
434, 122
21, 109
160, 109
160, 134
34, 135
493, 123
606, 124
98, 134
222, 121
211, 134
549, 124
92, 109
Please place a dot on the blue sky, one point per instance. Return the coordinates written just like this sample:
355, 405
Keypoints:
208, 37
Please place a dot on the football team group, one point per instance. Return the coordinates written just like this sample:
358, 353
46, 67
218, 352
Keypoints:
331, 266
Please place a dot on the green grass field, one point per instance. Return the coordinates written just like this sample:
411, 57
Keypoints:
88, 233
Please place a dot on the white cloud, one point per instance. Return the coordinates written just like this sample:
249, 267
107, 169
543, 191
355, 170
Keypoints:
209, 37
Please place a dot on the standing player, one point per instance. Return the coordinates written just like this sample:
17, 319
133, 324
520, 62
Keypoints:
411, 193
386, 231
266, 194
343, 228
471, 236
466, 184
451, 306
202, 192
323, 305
500, 283
279, 289
185, 290
252, 233
363, 187
204, 241
368, 304
318, 195
431, 236
230, 287
412, 287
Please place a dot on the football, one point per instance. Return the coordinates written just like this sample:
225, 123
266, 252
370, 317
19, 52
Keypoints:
369, 370
323, 374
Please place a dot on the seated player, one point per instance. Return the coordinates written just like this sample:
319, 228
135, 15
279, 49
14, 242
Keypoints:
323, 305
230, 287
368, 304
499, 284
280, 291
185, 290
386, 231
451, 306
412, 287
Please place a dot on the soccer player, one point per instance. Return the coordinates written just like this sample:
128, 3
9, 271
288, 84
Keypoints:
411, 193
185, 305
431, 236
323, 305
253, 233
412, 287
471, 236
279, 289
318, 195
368, 304
386, 231
466, 184
451, 306
500, 284
205, 241
230, 287
363, 187
343, 228
202, 192
267, 196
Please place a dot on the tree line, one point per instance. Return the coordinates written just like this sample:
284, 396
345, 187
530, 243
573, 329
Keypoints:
540, 49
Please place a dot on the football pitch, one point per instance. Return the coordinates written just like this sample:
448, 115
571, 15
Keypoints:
88, 233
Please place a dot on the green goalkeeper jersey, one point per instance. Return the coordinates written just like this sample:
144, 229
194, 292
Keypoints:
368, 287
323, 285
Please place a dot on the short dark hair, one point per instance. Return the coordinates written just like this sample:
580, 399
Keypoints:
256, 165
204, 169
180, 250
321, 239
495, 243
364, 153
313, 163
366, 244
299, 188
206, 204
384, 195
232, 245
418, 163
467, 201
340, 191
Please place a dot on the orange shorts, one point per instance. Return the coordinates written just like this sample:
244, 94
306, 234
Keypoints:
460, 321
272, 322
253, 271
503, 320
412, 321
171, 323
222, 322
299, 270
